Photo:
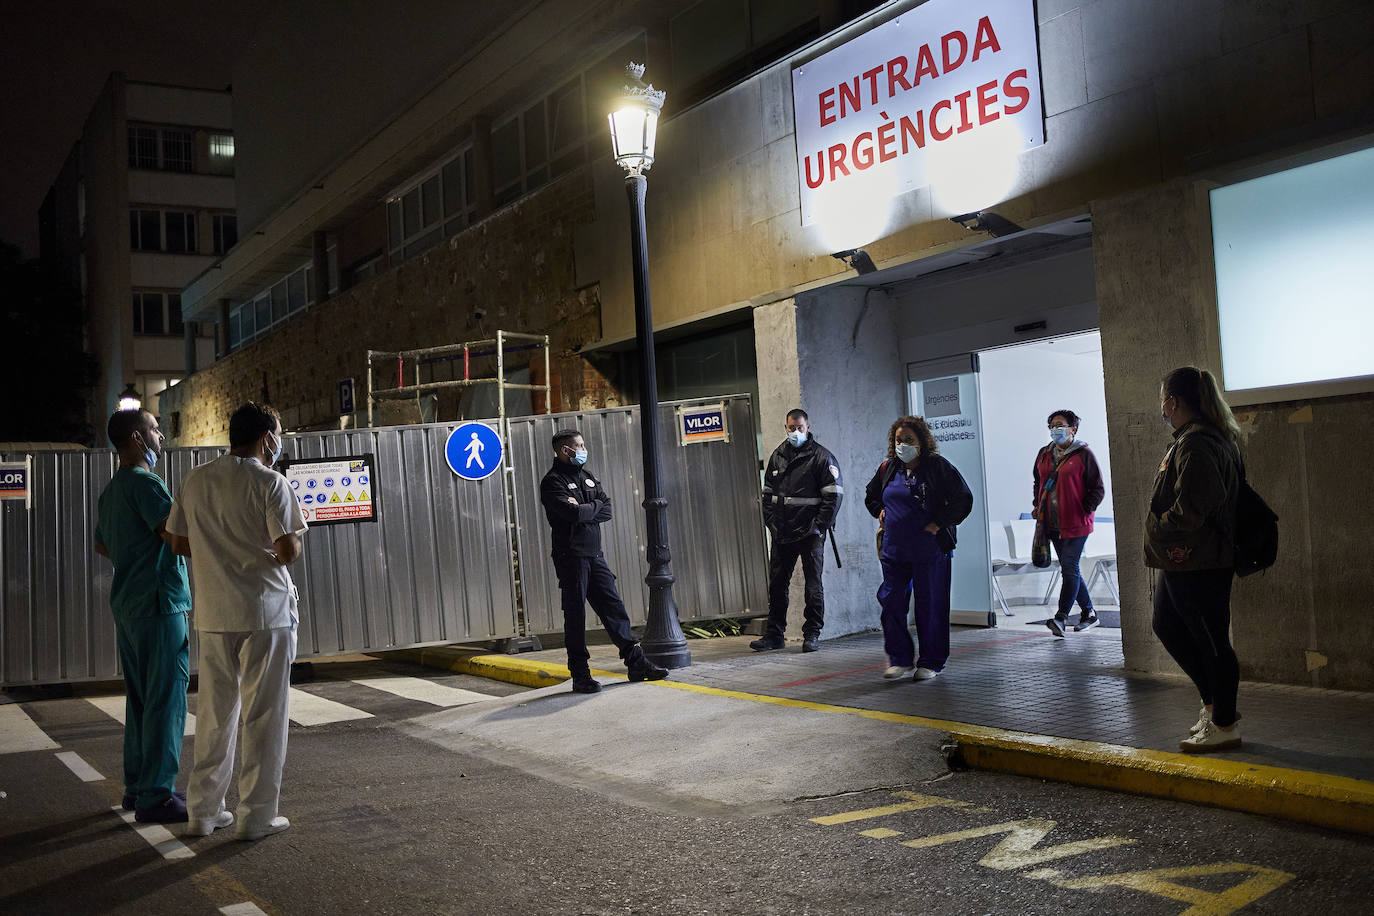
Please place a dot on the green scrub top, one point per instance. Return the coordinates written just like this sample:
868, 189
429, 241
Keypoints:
149, 580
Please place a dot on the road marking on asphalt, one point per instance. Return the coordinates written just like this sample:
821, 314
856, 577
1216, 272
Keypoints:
19, 733
114, 707
1204, 903
158, 836
308, 709
1018, 848
916, 803
242, 909
84, 771
417, 688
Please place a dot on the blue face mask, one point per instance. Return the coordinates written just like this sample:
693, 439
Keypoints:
579, 456
149, 455
1059, 434
797, 438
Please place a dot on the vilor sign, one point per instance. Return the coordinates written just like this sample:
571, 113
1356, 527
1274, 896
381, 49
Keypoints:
704, 423
948, 74
16, 479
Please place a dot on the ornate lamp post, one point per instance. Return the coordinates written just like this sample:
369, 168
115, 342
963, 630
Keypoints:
634, 127
129, 398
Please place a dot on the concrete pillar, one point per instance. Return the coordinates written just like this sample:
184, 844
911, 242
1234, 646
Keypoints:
189, 336
222, 329
319, 266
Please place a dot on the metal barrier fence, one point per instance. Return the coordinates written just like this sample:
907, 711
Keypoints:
436, 567
715, 527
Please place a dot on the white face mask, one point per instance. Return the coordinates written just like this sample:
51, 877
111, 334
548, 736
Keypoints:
276, 452
906, 453
797, 438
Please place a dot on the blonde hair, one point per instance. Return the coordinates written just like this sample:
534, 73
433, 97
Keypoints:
1200, 393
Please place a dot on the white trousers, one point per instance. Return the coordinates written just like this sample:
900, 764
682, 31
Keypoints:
247, 673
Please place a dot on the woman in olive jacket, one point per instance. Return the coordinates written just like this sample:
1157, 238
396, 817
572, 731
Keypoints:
919, 498
1189, 538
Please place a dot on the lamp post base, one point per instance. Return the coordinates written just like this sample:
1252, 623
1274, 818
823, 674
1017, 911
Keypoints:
663, 642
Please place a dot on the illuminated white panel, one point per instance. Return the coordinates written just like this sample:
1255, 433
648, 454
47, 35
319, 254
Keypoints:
1295, 275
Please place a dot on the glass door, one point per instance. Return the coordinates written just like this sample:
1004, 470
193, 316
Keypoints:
945, 393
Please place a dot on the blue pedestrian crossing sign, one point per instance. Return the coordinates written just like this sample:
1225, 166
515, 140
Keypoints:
473, 451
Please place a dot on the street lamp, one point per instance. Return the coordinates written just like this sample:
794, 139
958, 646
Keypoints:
129, 398
634, 127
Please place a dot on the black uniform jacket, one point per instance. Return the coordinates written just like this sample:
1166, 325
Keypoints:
576, 505
801, 491
951, 500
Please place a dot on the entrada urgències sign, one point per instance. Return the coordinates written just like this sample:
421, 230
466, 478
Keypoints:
946, 72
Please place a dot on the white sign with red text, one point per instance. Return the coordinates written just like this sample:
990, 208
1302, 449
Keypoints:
950, 73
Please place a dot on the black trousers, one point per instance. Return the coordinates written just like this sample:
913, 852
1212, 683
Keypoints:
1193, 620
811, 552
589, 579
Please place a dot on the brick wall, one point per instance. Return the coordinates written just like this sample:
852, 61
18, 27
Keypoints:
513, 271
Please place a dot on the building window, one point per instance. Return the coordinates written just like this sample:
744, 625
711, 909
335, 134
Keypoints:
225, 228
157, 313
279, 302
164, 149
155, 230
180, 232
440, 203
220, 160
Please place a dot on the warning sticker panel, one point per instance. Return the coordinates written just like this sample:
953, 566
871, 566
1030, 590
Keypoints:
328, 488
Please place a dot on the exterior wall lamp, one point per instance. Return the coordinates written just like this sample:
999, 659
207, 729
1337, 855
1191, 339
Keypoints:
856, 258
129, 398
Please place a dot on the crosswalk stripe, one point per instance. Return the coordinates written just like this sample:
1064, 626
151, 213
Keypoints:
242, 909
417, 688
916, 804
158, 836
114, 708
81, 768
19, 733
308, 709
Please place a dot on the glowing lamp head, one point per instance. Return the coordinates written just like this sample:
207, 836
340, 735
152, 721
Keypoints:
129, 399
634, 122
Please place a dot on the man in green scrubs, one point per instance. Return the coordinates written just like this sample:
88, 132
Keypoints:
150, 598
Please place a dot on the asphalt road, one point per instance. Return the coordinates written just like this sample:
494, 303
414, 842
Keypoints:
416, 811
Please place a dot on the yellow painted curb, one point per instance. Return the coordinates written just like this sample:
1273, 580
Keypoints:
1299, 795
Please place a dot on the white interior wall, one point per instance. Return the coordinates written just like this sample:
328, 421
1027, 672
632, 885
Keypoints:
1019, 387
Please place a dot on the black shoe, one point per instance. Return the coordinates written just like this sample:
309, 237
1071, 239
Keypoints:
809, 644
1086, 623
1056, 626
129, 802
171, 811
765, 643
584, 683
642, 669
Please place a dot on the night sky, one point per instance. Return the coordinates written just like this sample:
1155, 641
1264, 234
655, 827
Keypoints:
55, 56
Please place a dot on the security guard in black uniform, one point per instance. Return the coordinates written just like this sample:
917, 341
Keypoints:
577, 505
801, 494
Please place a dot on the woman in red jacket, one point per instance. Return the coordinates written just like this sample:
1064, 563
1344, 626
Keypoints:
1068, 488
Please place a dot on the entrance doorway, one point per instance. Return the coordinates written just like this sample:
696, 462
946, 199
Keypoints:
988, 411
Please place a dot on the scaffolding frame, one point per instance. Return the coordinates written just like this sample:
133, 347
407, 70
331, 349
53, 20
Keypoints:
424, 355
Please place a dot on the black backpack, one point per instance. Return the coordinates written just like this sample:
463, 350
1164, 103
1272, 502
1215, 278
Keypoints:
1257, 530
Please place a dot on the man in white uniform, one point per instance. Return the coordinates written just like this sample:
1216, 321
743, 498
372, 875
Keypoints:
241, 525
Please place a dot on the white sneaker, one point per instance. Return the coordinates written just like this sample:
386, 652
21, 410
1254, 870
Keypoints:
1203, 718
924, 674
1211, 738
204, 826
275, 825
897, 671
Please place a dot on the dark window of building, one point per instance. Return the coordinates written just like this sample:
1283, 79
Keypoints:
142, 147
177, 150
145, 230
295, 290
148, 314
505, 162
279, 302
181, 232
263, 307
567, 128
226, 231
